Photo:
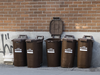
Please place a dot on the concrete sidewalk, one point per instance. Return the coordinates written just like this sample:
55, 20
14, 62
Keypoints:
44, 70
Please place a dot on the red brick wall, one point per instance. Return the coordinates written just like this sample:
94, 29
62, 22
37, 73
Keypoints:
35, 15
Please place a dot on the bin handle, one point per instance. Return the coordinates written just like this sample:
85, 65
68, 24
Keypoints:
40, 36
20, 36
88, 36
69, 36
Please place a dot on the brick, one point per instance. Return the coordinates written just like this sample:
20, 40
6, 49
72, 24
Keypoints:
82, 5
37, 12
68, 8
1, 15
37, 18
28, 18
43, 27
25, 21
80, 24
32, 27
77, 8
50, 9
20, 6
77, 2
91, 5
24, 9
19, 18
16, 15
87, 21
73, 11
7, 21
37, 24
21, 12
87, 8
7, 27
86, 27
3, 6
28, 6
16, 3
3, 18
41, 2
25, 3
37, 6
20, 24
47, 12
41, 21
95, 27
87, 15
25, 15
63, 5
95, 21
45, 6
64, 12
82, 12
78, 15
55, 12
19, 0
12, 12
33, 9
33, 21
50, 2
68, 2
86, 2
95, 15
3, 12
7, 15
15, 21
91, 18
29, 25
15, 9
91, 11
91, 24
95, 8
11, 0
1, 3
6, 3
11, 18
92, 30
77, 27
35, 15
59, 9
1, 21
11, 6
73, 5
3, 0
81, 18
7, 9
95, 2
16, 27
72, 18
42, 9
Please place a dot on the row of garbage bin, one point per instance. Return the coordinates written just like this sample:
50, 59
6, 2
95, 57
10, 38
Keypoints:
29, 51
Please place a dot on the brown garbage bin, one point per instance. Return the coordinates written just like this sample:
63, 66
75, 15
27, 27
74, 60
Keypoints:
85, 46
34, 52
68, 51
19, 49
53, 45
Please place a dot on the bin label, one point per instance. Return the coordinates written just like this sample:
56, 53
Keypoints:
30, 51
50, 50
68, 50
84, 48
18, 50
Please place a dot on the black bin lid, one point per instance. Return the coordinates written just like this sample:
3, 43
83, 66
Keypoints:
56, 26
